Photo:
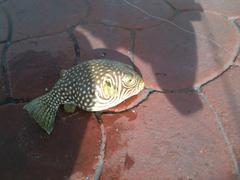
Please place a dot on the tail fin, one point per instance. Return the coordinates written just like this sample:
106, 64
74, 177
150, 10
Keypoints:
43, 110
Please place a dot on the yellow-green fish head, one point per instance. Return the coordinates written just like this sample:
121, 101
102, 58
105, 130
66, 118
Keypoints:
117, 85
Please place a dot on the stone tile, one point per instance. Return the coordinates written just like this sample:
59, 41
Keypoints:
27, 152
161, 142
38, 18
119, 13
224, 95
229, 8
170, 58
35, 65
99, 38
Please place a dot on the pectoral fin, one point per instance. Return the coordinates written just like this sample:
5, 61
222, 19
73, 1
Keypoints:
70, 108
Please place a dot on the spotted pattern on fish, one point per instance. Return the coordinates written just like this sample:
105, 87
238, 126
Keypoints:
94, 85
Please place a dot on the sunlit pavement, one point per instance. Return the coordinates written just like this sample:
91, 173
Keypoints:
187, 122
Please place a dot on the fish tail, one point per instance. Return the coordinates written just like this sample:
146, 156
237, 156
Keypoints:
43, 110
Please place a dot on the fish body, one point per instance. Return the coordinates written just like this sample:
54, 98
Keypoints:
94, 85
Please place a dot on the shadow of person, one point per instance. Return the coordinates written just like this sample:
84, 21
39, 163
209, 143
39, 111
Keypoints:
169, 60
166, 55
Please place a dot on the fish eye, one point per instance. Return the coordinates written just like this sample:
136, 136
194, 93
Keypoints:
128, 78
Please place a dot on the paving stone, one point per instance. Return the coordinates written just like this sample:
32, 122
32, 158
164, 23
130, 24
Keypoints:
170, 58
119, 13
27, 152
35, 65
229, 7
38, 18
224, 95
95, 37
158, 141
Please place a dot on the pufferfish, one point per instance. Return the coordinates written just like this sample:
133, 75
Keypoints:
93, 85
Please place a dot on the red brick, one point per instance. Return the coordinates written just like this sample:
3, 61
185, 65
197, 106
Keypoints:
38, 18
172, 59
162, 142
229, 8
35, 65
29, 153
224, 95
119, 13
